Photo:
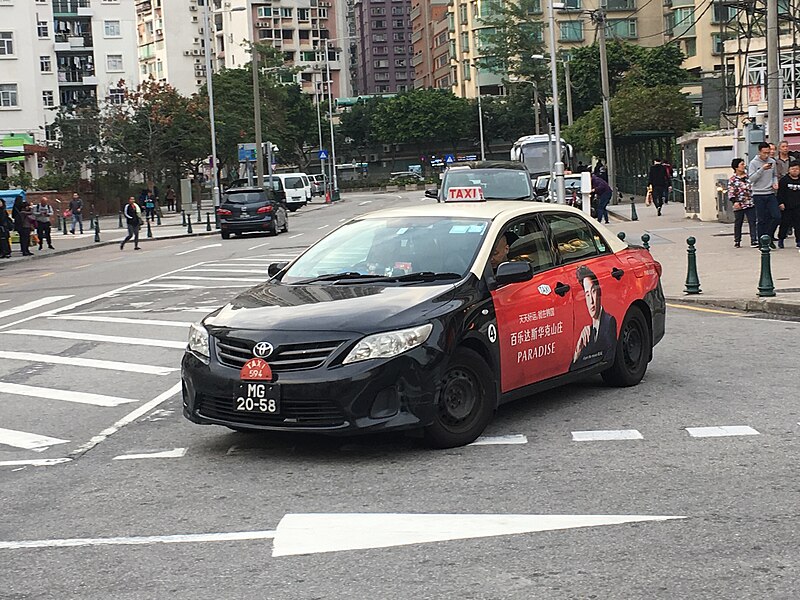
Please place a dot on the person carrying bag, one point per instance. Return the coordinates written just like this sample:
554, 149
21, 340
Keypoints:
133, 216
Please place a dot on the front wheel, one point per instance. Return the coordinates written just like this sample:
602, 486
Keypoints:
285, 222
633, 351
465, 403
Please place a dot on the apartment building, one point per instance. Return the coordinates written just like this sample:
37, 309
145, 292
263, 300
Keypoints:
426, 15
61, 52
384, 48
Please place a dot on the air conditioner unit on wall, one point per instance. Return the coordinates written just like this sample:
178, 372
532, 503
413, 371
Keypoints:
193, 8
187, 52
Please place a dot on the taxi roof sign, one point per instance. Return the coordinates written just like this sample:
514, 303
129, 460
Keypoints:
465, 194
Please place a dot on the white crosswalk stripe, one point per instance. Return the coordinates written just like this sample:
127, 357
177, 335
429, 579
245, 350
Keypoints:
94, 337
721, 431
104, 319
63, 395
31, 305
27, 441
110, 365
606, 435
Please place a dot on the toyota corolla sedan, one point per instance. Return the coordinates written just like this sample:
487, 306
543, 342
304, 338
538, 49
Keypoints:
427, 318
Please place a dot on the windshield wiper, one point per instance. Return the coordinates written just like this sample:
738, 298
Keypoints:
421, 276
336, 277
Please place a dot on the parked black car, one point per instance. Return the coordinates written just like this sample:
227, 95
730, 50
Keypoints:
251, 209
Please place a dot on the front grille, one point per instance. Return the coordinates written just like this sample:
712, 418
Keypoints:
294, 413
287, 357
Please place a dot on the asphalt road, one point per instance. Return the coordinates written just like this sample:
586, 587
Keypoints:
102, 526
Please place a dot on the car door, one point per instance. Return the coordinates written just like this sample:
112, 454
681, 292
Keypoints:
599, 290
534, 318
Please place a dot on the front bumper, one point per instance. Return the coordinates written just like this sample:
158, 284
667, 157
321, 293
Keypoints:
369, 396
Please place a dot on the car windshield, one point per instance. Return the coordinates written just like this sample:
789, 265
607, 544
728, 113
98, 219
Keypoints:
392, 247
293, 183
497, 184
245, 197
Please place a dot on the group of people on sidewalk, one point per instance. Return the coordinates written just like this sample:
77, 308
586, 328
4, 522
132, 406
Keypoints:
33, 223
767, 194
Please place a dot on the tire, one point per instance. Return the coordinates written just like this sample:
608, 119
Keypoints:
633, 351
273, 227
285, 222
293, 208
465, 403
225, 235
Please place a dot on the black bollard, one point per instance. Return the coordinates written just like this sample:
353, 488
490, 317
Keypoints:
58, 221
208, 221
692, 280
64, 224
634, 216
216, 220
97, 230
621, 235
119, 224
199, 214
183, 218
766, 288
189, 224
646, 241
149, 230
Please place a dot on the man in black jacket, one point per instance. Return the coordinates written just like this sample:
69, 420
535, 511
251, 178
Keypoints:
659, 183
789, 203
133, 215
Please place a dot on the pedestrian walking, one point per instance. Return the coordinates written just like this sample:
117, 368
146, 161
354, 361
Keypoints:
170, 197
603, 192
133, 216
789, 203
668, 169
150, 207
782, 160
22, 216
659, 183
76, 210
6, 226
600, 170
763, 179
43, 213
740, 193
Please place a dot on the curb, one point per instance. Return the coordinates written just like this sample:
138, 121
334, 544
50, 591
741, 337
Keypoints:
772, 306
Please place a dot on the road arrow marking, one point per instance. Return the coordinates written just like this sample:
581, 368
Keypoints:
315, 533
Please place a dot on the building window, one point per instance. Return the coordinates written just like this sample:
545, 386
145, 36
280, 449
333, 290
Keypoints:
622, 28
380, 50
377, 11
399, 50
620, 4
322, 13
442, 61
42, 29
265, 34
466, 71
45, 64
8, 95
398, 23
721, 13
381, 77
571, 31
401, 75
6, 43
378, 37
464, 41
397, 10
400, 62
48, 98
111, 29
462, 13
683, 23
441, 39
286, 13
116, 96
691, 47
114, 63
380, 64
399, 36
264, 12
379, 24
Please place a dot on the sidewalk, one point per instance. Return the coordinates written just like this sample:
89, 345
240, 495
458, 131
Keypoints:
728, 276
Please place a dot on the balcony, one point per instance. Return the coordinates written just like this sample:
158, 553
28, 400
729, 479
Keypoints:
64, 42
76, 77
71, 8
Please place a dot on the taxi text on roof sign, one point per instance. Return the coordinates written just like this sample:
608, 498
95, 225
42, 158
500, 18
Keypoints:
470, 194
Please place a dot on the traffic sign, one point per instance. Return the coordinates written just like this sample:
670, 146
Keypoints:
247, 152
449, 159
322, 154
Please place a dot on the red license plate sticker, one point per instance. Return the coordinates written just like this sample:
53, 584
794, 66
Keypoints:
256, 369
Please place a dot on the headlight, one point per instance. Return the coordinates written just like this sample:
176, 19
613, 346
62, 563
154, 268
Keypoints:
198, 339
388, 344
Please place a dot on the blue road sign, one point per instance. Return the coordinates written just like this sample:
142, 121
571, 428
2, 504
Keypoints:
322, 154
449, 158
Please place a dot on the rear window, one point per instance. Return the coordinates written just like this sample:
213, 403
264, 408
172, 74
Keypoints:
245, 197
293, 183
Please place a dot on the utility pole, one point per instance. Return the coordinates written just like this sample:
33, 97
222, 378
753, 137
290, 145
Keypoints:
536, 106
558, 167
210, 88
774, 99
568, 85
480, 110
257, 120
599, 18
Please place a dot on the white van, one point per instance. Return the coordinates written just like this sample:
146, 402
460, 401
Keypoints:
297, 188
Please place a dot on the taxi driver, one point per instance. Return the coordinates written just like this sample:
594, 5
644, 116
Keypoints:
597, 341
499, 253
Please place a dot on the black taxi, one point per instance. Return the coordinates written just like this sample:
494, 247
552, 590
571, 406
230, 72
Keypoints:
427, 318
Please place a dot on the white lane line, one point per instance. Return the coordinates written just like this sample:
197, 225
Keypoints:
31, 305
63, 395
152, 287
27, 441
196, 249
259, 271
175, 453
365, 202
95, 337
35, 462
259, 246
108, 294
1, 301
110, 365
721, 431
218, 279
492, 440
604, 435
342, 220
140, 540
127, 419
297, 235
101, 319
323, 227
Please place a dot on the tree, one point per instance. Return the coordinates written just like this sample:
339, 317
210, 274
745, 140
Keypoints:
505, 118
79, 131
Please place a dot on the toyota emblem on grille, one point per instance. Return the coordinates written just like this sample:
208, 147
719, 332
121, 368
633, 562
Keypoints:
262, 349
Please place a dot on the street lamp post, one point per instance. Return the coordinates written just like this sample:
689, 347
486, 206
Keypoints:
480, 110
559, 164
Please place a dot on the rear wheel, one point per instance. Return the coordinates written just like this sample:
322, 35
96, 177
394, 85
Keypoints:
465, 402
225, 235
633, 351
273, 227
285, 222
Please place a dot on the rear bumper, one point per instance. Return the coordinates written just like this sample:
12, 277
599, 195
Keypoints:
262, 223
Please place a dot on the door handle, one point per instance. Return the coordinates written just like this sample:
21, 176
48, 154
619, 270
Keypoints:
617, 273
561, 289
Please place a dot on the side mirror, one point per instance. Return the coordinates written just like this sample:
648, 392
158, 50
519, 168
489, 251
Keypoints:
275, 268
513, 272
432, 194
